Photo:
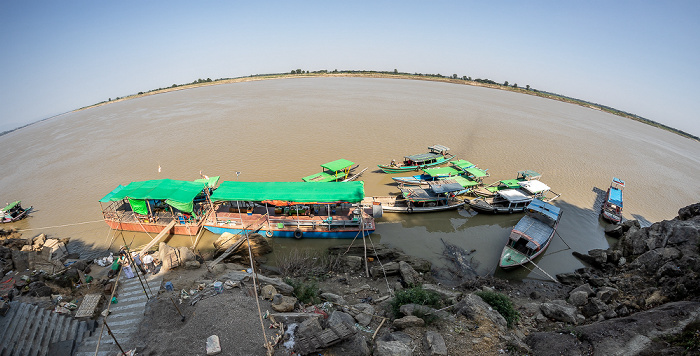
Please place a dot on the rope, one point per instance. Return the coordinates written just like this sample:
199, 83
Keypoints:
391, 291
51, 227
268, 346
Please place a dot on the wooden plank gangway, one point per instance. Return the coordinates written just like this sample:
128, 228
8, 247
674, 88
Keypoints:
229, 250
158, 238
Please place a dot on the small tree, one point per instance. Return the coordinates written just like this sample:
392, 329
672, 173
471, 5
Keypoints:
396, 71
454, 76
515, 85
527, 87
505, 83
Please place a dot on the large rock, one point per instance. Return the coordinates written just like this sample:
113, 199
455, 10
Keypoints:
340, 317
334, 298
578, 298
651, 261
560, 311
279, 284
168, 256
607, 294
356, 345
689, 212
615, 231
421, 265
20, 259
351, 263
585, 288
435, 344
408, 321
632, 335
390, 269
474, 308
363, 313
449, 295
282, 303
409, 275
424, 310
594, 307
392, 348
186, 254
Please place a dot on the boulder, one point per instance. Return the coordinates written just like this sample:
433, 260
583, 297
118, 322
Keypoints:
607, 294
39, 289
279, 284
651, 261
615, 231
569, 278
689, 212
186, 254
363, 313
192, 265
392, 348
557, 311
340, 317
594, 307
390, 269
213, 347
268, 292
435, 344
669, 269
578, 298
449, 295
409, 275
584, 287
351, 263
168, 257
309, 326
282, 303
474, 308
334, 298
420, 265
356, 345
422, 310
408, 322
20, 259
293, 318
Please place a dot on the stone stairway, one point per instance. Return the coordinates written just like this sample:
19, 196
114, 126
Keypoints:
30, 330
123, 319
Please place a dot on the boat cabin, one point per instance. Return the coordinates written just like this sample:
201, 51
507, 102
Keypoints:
612, 208
332, 171
438, 193
531, 235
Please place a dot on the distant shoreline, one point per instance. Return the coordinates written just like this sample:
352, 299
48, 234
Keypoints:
486, 83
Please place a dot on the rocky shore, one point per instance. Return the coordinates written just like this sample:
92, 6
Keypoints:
640, 297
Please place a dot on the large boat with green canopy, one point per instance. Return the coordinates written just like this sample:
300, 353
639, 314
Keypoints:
150, 206
338, 170
463, 172
13, 212
292, 209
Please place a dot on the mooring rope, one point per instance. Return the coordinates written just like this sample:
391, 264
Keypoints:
51, 227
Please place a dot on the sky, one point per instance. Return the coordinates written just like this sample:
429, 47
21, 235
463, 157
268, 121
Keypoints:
642, 57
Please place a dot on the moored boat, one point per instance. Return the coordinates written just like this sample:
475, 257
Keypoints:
338, 170
612, 207
513, 200
436, 155
461, 171
154, 205
437, 196
13, 212
521, 176
292, 209
531, 235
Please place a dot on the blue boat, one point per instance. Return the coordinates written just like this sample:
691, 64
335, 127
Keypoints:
531, 235
612, 207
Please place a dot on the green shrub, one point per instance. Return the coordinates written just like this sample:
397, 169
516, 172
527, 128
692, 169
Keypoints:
307, 293
689, 339
415, 295
502, 304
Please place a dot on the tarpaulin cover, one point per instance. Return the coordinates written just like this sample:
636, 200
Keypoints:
441, 172
351, 192
10, 206
337, 165
615, 197
476, 172
177, 193
138, 206
211, 182
463, 164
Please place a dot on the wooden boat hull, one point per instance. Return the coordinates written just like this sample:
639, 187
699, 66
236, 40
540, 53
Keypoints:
518, 259
178, 229
390, 205
20, 216
297, 233
483, 207
399, 168
613, 218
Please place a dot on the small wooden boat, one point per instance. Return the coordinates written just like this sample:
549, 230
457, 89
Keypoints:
531, 235
437, 155
513, 200
612, 207
456, 169
292, 209
338, 170
437, 196
13, 212
153, 206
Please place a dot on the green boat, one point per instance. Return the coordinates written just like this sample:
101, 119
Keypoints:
13, 212
338, 170
436, 155
493, 188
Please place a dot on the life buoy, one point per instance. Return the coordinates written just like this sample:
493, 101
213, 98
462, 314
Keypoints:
298, 234
268, 233
409, 209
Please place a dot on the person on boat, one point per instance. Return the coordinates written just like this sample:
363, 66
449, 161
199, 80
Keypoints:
393, 163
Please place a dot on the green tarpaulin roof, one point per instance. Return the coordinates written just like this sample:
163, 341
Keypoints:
211, 182
337, 165
302, 192
511, 183
463, 164
441, 172
466, 183
423, 157
322, 177
10, 206
476, 172
159, 189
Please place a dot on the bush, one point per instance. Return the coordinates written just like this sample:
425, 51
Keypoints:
502, 304
307, 293
415, 295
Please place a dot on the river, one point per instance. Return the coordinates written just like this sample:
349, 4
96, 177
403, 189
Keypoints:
282, 130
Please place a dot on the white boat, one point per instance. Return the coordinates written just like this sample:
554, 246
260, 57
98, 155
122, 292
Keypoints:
438, 196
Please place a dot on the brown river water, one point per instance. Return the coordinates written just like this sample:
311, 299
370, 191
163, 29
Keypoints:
282, 130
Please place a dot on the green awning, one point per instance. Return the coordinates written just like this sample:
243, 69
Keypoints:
463, 164
337, 165
465, 182
108, 198
211, 182
139, 206
321, 177
511, 183
332, 192
177, 193
441, 172
476, 172
10, 206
